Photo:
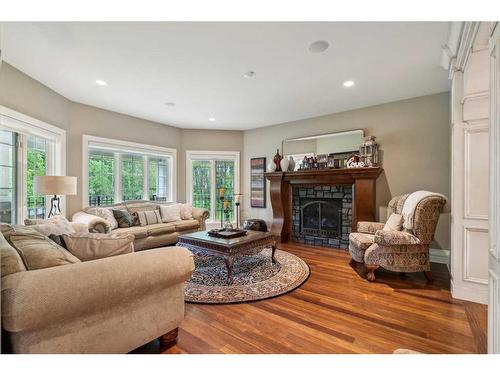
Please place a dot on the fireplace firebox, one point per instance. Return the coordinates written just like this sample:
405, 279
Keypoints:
322, 215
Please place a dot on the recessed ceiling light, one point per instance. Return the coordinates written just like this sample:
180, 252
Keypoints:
211, 119
318, 46
348, 83
170, 104
100, 82
249, 74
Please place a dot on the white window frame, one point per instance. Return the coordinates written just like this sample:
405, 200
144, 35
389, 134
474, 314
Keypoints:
25, 125
125, 146
211, 155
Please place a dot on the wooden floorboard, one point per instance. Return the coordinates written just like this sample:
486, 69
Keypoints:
338, 311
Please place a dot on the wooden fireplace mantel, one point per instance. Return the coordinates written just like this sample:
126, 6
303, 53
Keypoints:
281, 183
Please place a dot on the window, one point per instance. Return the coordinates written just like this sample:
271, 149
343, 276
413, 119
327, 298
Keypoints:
28, 148
8, 163
118, 171
101, 178
206, 173
37, 153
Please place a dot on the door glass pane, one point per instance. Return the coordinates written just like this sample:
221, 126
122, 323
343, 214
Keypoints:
132, 176
36, 166
224, 177
201, 179
101, 178
159, 173
8, 211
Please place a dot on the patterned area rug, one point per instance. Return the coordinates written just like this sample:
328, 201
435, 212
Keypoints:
255, 277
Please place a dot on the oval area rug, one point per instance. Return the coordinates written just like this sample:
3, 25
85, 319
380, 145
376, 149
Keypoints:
255, 277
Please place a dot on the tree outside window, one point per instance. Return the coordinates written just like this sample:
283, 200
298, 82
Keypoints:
132, 176
101, 178
36, 166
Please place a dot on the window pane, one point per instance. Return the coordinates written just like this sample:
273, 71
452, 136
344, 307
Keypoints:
159, 173
224, 177
101, 178
201, 174
37, 166
8, 199
132, 176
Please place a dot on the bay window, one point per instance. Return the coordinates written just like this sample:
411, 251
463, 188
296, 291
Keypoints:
206, 173
118, 171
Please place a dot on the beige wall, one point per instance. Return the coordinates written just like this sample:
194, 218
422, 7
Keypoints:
414, 138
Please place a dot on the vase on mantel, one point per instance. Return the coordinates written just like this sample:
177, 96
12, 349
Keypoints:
277, 159
291, 164
284, 163
271, 167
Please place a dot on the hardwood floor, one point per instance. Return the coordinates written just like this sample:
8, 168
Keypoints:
337, 311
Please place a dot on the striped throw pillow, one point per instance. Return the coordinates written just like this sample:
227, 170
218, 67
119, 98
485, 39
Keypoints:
149, 217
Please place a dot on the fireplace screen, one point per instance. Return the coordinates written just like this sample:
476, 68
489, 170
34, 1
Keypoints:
321, 217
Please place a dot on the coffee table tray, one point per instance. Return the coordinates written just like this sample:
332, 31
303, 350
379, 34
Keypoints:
227, 234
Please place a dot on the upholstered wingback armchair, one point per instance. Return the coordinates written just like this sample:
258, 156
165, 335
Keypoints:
404, 250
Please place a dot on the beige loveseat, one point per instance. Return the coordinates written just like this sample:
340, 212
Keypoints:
109, 305
148, 236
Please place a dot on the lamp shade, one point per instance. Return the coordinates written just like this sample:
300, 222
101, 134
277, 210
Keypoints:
54, 185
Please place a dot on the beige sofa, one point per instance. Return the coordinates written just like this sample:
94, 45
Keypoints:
149, 236
109, 305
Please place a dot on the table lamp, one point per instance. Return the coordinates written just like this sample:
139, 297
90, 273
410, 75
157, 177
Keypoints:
54, 185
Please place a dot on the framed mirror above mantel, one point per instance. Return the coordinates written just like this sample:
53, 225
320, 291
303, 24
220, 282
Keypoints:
331, 150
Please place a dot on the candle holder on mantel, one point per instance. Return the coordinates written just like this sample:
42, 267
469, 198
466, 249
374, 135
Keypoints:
237, 202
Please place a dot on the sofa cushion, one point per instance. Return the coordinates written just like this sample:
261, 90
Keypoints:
186, 211
124, 218
182, 225
142, 206
138, 232
149, 217
158, 229
10, 260
361, 240
90, 246
38, 251
170, 213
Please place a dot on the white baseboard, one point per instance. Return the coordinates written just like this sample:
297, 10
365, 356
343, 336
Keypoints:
440, 256
474, 293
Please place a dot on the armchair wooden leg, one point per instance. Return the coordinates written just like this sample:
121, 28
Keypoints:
371, 272
428, 276
168, 339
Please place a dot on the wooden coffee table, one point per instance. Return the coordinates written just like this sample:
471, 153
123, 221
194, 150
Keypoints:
250, 244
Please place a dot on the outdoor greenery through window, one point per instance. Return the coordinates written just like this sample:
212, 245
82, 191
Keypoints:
101, 178
118, 174
208, 174
37, 154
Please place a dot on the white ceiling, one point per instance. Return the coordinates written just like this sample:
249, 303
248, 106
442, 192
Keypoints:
200, 67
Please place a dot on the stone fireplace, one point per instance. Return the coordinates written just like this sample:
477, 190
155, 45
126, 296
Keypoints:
322, 215
321, 206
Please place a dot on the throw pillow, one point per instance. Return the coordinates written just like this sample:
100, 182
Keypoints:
170, 213
106, 214
395, 222
149, 217
58, 239
123, 218
38, 251
53, 227
10, 261
90, 246
186, 211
